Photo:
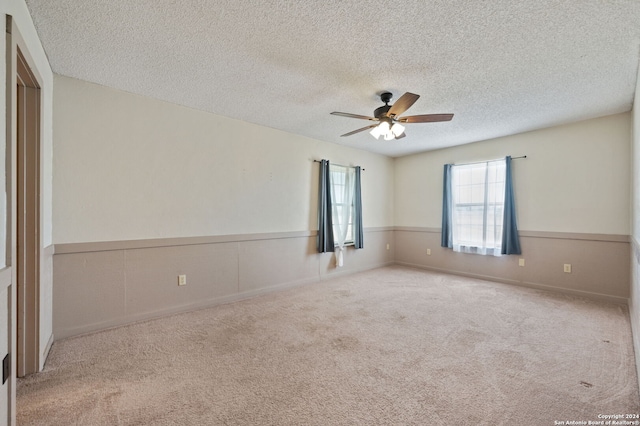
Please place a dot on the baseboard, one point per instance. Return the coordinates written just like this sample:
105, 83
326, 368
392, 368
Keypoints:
635, 336
47, 349
219, 300
5, 277
537, 286
337, 272
634, 315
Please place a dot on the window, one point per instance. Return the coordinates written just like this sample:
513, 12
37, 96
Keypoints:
343, 184
478, 194
339, 209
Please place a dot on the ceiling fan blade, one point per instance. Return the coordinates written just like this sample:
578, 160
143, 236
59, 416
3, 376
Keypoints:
346, 114
359, 130
426, 118
403, 103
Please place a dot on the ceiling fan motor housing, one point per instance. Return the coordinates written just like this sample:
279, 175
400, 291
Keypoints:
387, 117
386, 97
382, 111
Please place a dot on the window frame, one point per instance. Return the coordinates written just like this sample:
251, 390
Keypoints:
336, 168
485, 197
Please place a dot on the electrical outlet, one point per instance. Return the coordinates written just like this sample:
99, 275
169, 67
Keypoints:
521, 262
567, 268
182, 280
428, 252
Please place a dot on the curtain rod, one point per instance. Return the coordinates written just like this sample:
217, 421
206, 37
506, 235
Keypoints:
336, 164
478, 162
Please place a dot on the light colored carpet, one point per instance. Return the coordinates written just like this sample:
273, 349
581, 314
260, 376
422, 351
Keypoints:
388, 346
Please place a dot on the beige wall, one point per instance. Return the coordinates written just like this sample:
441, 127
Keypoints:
7, 392
634, 301
132, 170
130, 167
17, 9
575, 177
153, 171
572, 197
146, 190
3, 146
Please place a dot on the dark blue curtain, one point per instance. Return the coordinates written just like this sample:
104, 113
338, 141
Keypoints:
357, 203
446, 239
510, 239
325, 221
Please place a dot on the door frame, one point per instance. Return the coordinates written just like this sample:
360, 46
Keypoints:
17, 51
27, 217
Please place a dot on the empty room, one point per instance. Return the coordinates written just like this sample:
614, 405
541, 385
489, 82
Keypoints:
335, 213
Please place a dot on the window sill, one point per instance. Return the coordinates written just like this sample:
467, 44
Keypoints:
477, 250
347, 244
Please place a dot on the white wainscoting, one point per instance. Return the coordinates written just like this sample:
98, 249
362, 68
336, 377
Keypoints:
106, 284
599, 263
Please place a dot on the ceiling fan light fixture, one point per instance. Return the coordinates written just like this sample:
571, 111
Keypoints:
389, 119
383, 129
375, 132
397, 129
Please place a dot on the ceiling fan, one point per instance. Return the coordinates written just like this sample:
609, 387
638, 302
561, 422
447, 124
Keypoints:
387, 117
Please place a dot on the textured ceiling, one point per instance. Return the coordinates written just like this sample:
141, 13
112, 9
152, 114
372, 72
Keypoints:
502, 67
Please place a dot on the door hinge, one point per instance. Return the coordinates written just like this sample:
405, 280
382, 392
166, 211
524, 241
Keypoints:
6, 368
